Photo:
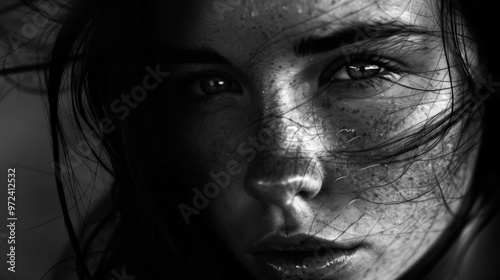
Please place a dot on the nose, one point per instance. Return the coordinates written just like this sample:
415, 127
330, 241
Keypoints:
280, 180
287, 167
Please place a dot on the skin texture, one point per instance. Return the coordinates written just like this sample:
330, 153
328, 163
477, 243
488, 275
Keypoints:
289, 142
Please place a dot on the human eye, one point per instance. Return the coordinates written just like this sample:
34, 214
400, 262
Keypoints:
207, 86
360, 76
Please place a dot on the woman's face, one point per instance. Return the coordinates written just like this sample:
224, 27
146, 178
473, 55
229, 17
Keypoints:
293, 107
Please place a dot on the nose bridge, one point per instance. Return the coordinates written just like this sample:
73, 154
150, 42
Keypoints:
287, 167
292, 138
290, 117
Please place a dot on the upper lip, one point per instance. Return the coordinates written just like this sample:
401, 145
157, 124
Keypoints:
298, 242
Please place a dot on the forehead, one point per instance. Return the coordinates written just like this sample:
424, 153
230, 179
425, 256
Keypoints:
242, 26
280, 15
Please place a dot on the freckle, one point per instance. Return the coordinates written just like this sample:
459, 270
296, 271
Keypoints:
355, 111
342, 109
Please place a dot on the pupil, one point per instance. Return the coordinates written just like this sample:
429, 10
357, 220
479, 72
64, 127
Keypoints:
359, 72
212, 85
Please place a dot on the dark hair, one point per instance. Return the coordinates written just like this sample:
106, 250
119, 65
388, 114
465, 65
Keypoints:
104, 47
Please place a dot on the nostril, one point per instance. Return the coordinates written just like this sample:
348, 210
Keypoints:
305, 194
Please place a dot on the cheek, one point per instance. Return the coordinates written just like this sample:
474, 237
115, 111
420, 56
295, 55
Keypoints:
216, 137
374, 124
408, 191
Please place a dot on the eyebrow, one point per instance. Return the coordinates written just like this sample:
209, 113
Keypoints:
363, 33
203, 55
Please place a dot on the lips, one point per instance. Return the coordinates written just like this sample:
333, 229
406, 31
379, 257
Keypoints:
301, 256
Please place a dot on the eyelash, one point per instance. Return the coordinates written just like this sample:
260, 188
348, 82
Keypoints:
193, 76
391, 68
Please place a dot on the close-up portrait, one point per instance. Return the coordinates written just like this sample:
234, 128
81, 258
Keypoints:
249, 139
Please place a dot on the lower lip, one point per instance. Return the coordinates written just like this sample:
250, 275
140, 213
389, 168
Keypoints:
313, 264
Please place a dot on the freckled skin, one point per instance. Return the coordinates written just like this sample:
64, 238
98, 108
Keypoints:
304, 179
